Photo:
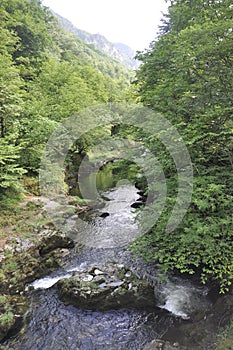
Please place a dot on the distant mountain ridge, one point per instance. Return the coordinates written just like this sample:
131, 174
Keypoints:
120, 52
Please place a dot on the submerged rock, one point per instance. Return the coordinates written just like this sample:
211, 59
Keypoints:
137, 204
106, 287
104, 215
163, 345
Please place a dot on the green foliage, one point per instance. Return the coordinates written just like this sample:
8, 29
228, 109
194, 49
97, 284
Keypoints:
10, 95
46, 75
10, 170
7, 316
27, 20
7, 319
187, 76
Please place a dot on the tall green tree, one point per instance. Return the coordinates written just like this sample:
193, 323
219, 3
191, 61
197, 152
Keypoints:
11, 104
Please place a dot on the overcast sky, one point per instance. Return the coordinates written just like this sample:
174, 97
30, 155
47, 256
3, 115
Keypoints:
131, 22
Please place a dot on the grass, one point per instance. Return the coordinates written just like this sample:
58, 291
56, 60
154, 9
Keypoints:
20, 220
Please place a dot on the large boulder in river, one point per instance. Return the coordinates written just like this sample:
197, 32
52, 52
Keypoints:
106, 287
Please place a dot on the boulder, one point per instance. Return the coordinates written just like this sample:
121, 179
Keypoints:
106, 287
54, 241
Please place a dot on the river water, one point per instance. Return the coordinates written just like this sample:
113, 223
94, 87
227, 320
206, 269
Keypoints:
51, 325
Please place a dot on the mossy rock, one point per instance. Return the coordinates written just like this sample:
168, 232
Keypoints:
11, 307
53, 242
7, 321
105, 288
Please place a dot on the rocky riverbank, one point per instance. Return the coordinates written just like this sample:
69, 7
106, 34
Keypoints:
30, 247
23, 262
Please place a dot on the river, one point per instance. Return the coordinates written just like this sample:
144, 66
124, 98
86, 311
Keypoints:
50, 325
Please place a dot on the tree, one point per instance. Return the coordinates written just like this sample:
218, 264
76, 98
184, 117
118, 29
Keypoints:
10, 95
10, 170
187, 76
28, 20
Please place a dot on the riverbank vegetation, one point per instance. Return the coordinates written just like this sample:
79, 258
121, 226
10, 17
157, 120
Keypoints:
186, 76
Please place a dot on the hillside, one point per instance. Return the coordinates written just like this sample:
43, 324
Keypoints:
46, 75
118, 51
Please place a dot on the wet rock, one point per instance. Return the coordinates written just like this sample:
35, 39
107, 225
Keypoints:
11, 308
110, 288
163, 345
98, 279
6, 327
24, 262
104, 215
87, 278
64, 252
141, 193
53, 241
137, 204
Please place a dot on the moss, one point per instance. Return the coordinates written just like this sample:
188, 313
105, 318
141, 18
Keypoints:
31, 184
122, 273
7, 320
89, 285
227, 344
226, 338
20, 219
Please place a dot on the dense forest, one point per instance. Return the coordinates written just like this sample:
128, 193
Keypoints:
46, 75
186, 75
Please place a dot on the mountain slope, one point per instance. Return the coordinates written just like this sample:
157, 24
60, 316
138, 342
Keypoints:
120, 52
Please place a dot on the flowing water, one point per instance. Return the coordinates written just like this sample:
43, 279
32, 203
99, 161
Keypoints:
51, 325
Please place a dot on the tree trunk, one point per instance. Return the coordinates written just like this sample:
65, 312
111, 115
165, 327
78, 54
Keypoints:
2, 127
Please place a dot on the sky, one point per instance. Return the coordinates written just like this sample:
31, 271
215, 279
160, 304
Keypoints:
131, 22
